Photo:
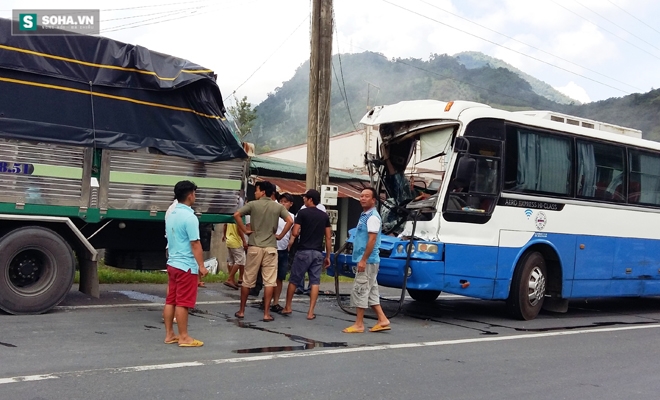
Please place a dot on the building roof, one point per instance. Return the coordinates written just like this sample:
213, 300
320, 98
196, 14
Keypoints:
297, 187
264, 166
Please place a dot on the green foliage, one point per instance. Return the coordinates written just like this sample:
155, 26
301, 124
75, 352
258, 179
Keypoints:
371, 79
244, 115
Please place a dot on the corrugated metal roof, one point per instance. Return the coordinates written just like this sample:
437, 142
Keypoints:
259, 165
297, 187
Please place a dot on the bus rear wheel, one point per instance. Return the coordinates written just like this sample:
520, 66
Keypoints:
528, 287
37, 268
424, 296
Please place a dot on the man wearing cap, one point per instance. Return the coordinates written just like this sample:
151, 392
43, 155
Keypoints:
312, 225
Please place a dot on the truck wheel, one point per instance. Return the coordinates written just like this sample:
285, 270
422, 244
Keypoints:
424, 296
528, 287
37, 268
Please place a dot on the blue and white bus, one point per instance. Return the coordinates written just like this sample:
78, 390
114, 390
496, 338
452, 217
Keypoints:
536, 207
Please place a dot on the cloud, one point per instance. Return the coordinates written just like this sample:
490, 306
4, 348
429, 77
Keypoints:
575, 91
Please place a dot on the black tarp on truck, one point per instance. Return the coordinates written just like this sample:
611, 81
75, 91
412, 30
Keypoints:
116, 96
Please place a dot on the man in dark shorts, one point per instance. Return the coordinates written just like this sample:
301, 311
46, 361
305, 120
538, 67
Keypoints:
185, 261
262, 243
311, 225
282, 253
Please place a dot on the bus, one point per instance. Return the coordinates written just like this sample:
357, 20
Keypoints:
535, 207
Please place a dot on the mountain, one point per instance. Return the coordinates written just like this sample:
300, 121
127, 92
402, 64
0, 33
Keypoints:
368, 79
474, 59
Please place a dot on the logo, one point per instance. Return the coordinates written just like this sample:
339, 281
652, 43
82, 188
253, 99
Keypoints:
27, 22
55, 22
528, 213
540, 220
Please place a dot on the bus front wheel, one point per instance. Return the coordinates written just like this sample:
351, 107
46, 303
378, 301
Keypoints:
528, 287
424, 296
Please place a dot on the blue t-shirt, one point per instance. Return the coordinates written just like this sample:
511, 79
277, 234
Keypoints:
182, 228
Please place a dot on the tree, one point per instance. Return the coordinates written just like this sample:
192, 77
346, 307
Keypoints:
244, 115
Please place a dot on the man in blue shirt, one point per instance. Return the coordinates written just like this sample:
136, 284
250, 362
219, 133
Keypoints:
366, 246
184, 263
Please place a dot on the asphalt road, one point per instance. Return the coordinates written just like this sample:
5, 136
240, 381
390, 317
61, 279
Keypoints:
456, 348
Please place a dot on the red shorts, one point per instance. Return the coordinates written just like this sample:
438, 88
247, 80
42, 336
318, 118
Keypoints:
182, 286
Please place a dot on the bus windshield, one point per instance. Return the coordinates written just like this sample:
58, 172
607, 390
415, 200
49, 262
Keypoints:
413, 168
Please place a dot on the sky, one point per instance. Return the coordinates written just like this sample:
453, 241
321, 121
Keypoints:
588, 49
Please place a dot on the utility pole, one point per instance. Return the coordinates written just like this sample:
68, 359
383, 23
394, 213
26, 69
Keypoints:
318, 121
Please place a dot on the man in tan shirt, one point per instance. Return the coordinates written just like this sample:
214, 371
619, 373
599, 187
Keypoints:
262, 243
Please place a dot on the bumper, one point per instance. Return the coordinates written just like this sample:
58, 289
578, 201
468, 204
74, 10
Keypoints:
426, 275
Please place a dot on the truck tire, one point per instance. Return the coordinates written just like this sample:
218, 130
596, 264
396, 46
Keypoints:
37, 267
424, 296
528, 287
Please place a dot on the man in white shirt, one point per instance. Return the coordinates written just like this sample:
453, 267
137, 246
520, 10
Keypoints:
282, 253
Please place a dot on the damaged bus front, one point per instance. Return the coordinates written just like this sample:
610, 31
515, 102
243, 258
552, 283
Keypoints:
420, 142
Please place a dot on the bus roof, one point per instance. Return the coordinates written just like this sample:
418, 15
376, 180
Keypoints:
417, 110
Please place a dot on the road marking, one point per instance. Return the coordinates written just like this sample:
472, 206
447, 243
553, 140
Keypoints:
199, 303
139, 368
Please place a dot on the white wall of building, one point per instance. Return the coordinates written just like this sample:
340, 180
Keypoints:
347, 152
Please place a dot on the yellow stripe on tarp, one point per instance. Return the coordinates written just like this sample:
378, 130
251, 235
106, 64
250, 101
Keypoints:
109, 96
90, 64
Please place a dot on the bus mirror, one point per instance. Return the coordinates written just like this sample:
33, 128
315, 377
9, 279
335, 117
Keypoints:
465, 169
462, 145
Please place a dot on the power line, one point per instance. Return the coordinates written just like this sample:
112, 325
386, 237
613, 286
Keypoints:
400, 61
195, 12
618, 26
505, 47
633, 16
148, 15
341, 70
529, 45
157, 5
269, 57
605, 30
159, 19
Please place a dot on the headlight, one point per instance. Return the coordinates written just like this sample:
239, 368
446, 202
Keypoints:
427, 248
399, 248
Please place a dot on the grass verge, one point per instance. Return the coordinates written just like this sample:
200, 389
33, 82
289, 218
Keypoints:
117, 275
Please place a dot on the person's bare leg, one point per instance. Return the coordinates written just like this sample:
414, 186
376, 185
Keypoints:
232, 273
168, 315
359, 320
182, 324
241, 269
245, 292
382, 319
291, 290
313, 296
268, 295
167, 293
277, 293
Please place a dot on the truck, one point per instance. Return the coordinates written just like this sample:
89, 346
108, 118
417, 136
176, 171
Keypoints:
94, 134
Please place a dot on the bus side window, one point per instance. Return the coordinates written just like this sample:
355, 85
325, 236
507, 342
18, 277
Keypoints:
644, 186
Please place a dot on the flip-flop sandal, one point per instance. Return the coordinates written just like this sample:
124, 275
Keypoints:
201, 284
313, 317
231, 285
276, 308
378, 328
271, 319
173, 341
350, 329
195, 343
286, 314
238, 316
